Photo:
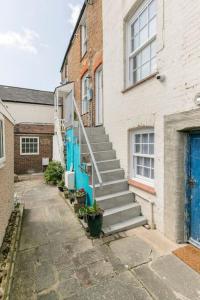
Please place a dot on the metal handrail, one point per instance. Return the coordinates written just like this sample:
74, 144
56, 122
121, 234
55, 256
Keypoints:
88, 144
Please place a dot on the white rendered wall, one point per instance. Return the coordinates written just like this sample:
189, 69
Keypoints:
178, 48
31, 113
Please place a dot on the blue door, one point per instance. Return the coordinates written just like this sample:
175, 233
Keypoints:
194, 189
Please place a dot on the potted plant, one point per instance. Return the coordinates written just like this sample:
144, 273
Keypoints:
94, 216
81, 197
61, 185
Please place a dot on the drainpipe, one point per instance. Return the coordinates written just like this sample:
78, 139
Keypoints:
153, 226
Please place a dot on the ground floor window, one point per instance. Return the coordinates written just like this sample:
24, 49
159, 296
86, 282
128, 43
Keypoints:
2, 140
29, 145
142, 144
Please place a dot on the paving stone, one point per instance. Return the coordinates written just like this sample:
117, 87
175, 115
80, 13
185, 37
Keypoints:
69, 288
45, 277
66, 273
132, 251
83, 276
50, 296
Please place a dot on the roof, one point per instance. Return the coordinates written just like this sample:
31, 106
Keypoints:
23, 95
73, 34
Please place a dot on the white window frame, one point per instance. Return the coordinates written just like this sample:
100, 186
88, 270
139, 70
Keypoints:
85, 102
84, 39
30, 137
131, 54
3, 158
134, 155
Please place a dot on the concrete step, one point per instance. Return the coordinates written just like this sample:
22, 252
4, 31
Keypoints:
115, 200
102, 155
106, 165
124, 225
103, 138
111, 175
97, 147
95, 130
111, 187
121, 213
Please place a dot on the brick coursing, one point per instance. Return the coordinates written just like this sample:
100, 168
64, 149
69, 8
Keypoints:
78, 66
33, 163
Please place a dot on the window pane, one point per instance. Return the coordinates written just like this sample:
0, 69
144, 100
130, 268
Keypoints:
135, 28
152, 27
136, 75
143, 18
151, 149
152, 9
137, 138
135, 43
147, 172
152, 174
147, 162
152, 163
143, 35
137, 148
140, 161
145, 70
145, 138
139, 171
151, 138
153, 49
146, 55
35, 148
145, 149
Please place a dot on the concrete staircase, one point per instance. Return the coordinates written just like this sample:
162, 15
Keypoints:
121, 210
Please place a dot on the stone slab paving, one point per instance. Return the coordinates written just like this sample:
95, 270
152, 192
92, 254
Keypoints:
164, 276
56, 260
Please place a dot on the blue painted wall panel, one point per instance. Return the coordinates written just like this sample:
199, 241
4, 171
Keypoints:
82, 180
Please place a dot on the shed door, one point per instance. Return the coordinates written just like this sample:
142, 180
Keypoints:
194, 186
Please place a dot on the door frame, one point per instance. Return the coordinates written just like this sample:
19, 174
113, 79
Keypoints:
100, 68
189, 189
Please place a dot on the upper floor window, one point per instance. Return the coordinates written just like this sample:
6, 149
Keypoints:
2, 140
142, 144
29, 145
83, 39
85, 92
141, 43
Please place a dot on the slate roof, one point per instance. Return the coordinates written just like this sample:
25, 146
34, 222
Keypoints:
23, 95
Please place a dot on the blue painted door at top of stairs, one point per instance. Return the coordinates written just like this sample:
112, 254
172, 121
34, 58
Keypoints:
194, 185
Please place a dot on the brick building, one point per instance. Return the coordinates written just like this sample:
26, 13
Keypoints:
33, 112
6, 167
83, 61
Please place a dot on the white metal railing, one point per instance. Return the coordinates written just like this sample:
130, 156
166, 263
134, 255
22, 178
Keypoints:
58, 123
82, 128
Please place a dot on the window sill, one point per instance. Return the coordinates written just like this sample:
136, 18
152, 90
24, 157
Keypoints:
142, 186
139, 83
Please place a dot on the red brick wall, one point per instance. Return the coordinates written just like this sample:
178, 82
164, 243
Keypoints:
78, 66
33, 163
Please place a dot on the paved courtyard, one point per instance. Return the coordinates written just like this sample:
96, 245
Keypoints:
57, 261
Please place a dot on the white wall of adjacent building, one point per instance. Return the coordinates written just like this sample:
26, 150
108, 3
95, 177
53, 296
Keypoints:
31, 113
178, 48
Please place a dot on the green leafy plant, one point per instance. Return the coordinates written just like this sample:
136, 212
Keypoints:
54, 172
61, 185
80, 193
93, 210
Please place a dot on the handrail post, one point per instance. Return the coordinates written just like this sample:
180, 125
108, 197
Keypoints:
93, 183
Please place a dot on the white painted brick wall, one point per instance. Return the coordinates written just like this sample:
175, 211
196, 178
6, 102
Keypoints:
178, 58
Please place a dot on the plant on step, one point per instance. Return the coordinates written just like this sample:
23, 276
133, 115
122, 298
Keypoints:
61, 185
81, 197
94, 216
54, 172
66, 193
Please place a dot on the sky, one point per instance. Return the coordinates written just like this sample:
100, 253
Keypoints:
34, 35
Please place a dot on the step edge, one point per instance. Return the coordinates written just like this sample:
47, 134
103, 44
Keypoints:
113, 211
